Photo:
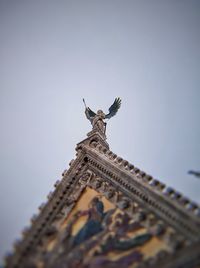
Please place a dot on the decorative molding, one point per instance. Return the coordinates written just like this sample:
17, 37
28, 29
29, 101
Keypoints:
138, 187
162, 210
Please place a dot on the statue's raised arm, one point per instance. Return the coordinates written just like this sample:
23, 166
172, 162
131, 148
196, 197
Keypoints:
89, 113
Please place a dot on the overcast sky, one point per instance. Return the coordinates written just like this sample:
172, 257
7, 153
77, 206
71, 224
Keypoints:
54, 53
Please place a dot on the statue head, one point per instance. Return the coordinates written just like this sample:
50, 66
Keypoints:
101, 113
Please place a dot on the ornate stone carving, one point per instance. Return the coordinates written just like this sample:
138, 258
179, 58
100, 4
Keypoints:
164, 212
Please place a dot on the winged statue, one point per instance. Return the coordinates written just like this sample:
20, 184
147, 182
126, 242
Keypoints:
97, 119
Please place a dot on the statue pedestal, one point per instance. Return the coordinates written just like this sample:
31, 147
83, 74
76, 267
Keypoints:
95, 136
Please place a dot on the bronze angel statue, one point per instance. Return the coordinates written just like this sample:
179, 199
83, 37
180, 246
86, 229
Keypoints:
97, 119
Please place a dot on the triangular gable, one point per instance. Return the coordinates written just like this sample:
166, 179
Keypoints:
120, 215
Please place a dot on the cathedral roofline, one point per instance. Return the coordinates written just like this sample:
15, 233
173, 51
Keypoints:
155, 195
155, 185
131, 189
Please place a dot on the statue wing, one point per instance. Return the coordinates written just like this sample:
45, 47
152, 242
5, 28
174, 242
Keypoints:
114, 108
89, 113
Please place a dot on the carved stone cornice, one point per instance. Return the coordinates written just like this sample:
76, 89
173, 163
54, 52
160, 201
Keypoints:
159, 208
48, 212
137, 185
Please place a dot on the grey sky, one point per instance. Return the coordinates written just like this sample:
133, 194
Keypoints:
54, 53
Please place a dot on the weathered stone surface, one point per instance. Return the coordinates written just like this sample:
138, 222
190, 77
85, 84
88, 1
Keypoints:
160, 209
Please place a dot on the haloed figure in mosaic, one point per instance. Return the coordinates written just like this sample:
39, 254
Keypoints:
103, 232
93, 225
74, 245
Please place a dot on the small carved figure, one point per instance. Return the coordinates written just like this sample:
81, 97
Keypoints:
97, 119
